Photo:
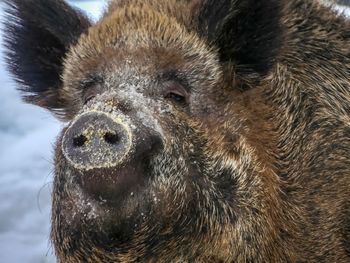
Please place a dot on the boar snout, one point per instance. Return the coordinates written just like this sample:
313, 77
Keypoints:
96, 140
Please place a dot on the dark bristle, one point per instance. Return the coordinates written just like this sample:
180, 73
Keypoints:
37, 36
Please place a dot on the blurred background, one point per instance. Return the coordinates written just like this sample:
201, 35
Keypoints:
27, 134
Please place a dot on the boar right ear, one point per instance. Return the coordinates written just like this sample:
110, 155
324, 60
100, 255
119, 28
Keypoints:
38, 34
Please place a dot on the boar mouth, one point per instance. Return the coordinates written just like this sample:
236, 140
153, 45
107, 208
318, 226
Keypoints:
112, 186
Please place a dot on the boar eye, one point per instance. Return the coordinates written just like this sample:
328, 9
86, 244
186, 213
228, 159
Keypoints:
175, 97
175, 92
89, 94
90, 91
87, 99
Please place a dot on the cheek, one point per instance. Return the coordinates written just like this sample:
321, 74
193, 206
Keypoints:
168, 182
202, 106
179, 167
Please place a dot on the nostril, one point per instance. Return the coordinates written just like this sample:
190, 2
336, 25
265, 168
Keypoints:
79, 141
111, 138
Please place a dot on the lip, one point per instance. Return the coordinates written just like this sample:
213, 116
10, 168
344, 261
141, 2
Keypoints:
112, 186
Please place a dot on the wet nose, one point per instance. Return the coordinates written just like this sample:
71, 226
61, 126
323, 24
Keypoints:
96, 140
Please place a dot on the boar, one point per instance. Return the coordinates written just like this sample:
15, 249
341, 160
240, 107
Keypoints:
197, 130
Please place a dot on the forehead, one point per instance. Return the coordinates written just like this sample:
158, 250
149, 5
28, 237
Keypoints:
136, 39
134, 27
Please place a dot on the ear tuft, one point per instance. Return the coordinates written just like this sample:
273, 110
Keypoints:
38, 33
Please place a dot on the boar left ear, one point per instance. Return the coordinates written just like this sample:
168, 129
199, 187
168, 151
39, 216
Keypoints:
38, 36
247, 32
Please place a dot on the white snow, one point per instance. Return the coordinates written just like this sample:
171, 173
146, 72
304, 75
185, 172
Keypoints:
93, 8
26, 137
343, 10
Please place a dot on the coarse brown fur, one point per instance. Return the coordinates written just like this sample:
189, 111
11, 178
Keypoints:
255, 163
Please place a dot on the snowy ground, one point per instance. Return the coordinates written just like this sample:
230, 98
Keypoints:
26, 137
